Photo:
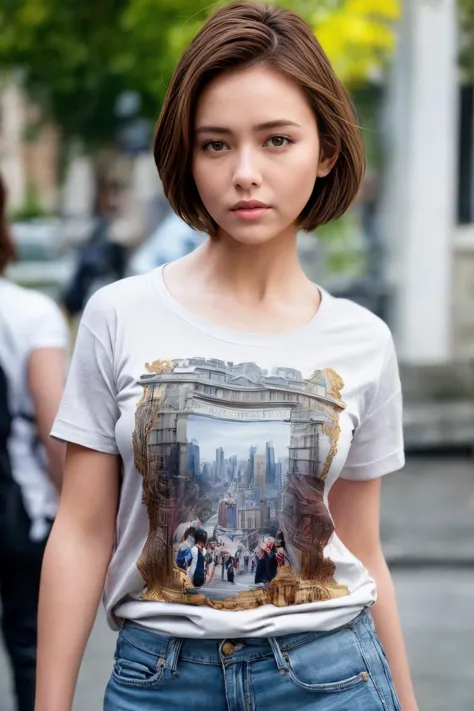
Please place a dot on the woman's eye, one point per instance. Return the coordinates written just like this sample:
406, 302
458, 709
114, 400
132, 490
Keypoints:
214, 146
279, 141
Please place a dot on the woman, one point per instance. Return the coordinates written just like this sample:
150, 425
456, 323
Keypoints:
184, 555
232, 351
197, 570
254, 564
33, 344
230, 569
267, 562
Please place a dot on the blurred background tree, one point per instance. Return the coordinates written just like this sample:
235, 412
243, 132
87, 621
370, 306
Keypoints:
466, 12
76, 58
357, 35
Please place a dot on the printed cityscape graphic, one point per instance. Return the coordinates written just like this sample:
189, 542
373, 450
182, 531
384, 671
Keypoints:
242, 454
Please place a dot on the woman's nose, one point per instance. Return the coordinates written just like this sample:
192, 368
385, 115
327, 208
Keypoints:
247, 172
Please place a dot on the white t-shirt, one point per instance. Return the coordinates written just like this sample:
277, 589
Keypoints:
245, 432
194, 560
28, 320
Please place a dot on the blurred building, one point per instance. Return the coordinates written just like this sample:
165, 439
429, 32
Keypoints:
429, 226
227, 513
429, 193
28, 150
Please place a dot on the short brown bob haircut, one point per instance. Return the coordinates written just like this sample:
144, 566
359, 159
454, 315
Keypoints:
7, 248
240, 35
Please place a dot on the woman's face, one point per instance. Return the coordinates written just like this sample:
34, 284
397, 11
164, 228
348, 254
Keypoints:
256, 153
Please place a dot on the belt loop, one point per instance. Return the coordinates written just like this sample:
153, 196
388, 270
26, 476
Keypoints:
278, 654
172, 653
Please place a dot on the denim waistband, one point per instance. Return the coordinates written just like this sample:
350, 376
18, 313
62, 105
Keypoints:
212, 651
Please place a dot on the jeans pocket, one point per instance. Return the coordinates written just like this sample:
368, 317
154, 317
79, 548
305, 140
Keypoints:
327, 687
327, 664
133, 673
137, 666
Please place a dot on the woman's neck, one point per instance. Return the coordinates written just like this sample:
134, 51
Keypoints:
245, 287
253, 273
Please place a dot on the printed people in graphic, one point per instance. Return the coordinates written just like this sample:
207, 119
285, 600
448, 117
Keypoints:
197, 569
239, 456
269, 557
200, 560
184, 556
230, 565
223, 558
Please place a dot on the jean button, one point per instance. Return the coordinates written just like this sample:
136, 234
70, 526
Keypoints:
365, 676
227, 649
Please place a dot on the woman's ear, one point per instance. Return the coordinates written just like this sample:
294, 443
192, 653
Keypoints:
326, 164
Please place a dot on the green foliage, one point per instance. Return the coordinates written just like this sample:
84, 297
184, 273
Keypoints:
77, 56
466, 12
65, 49
343, 246
31, 208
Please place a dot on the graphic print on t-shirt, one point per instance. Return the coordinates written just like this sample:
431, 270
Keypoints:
241, 453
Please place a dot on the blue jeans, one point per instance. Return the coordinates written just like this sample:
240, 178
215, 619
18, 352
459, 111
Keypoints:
342, 670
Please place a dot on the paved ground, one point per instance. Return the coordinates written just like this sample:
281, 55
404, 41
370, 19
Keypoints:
428, 513
428, 522
230, 588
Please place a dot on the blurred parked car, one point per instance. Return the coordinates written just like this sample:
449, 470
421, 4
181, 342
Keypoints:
43, 261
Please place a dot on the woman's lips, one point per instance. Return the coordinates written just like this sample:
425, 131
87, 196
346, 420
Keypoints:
251, 213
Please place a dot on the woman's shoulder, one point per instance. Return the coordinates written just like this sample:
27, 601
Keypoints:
119, 292
119, 300
30, 312
19, 297
354, 319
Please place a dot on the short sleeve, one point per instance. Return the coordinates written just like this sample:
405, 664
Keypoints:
46, 327
377, 445
88, 411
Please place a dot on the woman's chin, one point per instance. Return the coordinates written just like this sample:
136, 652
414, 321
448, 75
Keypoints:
253, 238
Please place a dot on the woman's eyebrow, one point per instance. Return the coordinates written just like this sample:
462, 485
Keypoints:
278, 123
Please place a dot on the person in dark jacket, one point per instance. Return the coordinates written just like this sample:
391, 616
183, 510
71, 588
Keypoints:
230, 569
197, 570
267, 564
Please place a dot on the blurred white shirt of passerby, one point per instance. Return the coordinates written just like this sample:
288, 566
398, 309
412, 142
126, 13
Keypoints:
33, 351
194, 560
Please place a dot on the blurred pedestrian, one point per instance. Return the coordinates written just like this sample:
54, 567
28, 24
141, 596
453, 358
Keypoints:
230, 567
223, 563
254, 563
119, 227
208, 558
33, 345
267, 562
256, 141
98, 260
183, 556
197, 569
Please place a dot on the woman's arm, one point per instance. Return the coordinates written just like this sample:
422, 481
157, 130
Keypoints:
355, 508
46, 369
74, 568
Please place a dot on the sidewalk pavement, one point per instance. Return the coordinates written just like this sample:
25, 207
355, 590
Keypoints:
427, 515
